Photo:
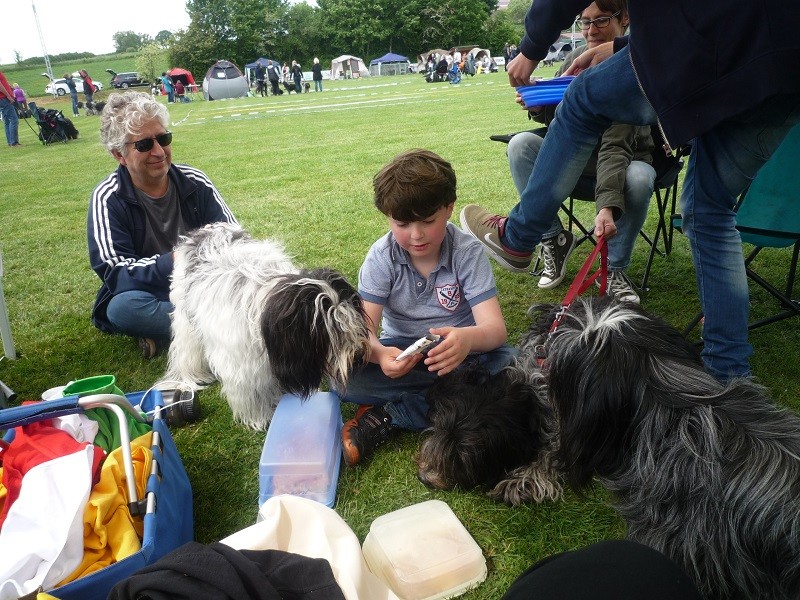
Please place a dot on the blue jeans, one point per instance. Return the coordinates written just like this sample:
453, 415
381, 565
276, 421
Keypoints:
140, 314
89, 96
405, 398
639, 182
10, 121
74, 97
723, 161
318, 85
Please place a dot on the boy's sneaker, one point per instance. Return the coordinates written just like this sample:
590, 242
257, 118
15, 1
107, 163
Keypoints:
365, 432
618, 286
555, 254
488, 228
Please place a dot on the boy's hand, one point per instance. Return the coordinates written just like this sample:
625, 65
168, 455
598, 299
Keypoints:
449, 352
393, 368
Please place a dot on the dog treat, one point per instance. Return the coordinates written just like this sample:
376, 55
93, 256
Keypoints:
420, 345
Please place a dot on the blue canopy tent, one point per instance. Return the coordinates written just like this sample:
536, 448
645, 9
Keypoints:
249, 69
389, 64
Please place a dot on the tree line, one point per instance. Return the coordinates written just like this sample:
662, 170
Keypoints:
243, 30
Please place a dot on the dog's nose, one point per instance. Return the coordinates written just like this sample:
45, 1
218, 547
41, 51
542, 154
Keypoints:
424, 481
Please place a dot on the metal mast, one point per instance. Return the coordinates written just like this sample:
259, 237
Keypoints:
48, 68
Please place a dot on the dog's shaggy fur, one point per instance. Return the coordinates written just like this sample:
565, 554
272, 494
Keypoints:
246, 316
708, 474
494, 433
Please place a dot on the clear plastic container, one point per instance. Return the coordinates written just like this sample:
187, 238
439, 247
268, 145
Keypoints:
303, 449
423, 552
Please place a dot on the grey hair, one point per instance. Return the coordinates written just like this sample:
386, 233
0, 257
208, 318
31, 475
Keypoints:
126, 114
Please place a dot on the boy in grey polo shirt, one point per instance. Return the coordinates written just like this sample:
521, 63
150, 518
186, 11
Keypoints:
424, 276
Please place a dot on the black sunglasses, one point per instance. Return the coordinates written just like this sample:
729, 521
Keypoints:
145, 145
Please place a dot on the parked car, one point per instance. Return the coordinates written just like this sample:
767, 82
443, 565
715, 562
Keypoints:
126, 80
59, 86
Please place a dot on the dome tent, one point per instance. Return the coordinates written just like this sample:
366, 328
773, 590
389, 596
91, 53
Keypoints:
224, 80
182, 75
348, 67
389, 64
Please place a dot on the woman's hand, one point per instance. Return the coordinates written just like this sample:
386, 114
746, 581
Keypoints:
592, 56
604, 224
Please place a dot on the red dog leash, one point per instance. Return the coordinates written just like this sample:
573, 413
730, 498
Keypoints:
579, 285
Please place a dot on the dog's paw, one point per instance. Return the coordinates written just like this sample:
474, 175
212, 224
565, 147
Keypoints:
527, 484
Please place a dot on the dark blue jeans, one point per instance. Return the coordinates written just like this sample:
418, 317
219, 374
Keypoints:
405, 398
140, 314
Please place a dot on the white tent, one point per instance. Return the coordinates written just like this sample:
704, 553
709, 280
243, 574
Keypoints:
348, 67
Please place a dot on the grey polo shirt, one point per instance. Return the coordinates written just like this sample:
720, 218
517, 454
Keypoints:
412, 304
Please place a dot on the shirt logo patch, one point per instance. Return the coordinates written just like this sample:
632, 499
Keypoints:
449, 296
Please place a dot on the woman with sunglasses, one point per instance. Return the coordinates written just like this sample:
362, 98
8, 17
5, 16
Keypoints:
135, 217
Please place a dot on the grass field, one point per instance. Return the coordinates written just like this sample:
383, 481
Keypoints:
299, 169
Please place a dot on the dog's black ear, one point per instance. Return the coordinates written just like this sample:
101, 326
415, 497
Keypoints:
297, 325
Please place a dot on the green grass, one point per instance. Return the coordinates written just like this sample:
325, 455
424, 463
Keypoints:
299, 168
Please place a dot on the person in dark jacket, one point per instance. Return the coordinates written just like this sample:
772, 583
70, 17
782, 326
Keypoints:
274, 76
297, 76
316, 70
136, 215
688, 68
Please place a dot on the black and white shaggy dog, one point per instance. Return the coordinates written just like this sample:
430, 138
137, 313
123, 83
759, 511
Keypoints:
247, 317
496, 433
708, 474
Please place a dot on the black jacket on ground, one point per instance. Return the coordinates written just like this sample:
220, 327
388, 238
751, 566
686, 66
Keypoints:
219, 572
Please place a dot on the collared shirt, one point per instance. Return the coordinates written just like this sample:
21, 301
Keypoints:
413, 304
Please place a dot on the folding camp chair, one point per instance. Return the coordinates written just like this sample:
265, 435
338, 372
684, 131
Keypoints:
767, 217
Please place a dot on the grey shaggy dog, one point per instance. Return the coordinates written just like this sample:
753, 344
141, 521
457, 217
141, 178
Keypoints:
708, 474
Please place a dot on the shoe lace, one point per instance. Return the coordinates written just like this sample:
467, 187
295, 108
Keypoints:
618, 285
549, 257
494, 221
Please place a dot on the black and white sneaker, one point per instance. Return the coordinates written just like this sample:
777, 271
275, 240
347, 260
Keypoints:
555, 252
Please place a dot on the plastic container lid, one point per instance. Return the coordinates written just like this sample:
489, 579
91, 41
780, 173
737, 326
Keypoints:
544, 92
423, 552
303, 449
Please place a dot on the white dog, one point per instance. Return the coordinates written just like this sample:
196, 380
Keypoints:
246, 316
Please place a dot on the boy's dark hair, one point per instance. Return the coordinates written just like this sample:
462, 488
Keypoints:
414, 186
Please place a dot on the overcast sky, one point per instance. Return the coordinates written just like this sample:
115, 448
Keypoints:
81, 25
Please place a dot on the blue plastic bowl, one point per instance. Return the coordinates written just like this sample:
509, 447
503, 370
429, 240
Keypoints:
544, 92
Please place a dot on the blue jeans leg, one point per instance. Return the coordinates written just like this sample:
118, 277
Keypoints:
74, 97
639, 182
605, 93
405, 398
317, 85
140, 314
522, 151
10, 121
720, 167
